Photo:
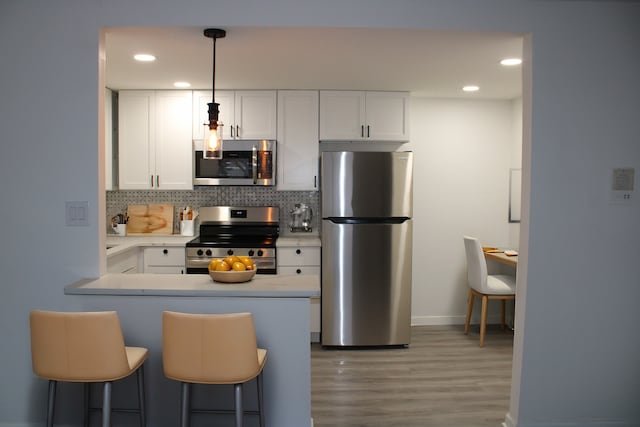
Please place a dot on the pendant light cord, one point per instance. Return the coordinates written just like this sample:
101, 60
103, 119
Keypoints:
213, 78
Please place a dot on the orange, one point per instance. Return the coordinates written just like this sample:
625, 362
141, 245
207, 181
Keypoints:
238, 266
213, 263
247, 261
223, 266
231, 259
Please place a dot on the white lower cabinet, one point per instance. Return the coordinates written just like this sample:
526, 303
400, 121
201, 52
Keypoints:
124, 262
164, 260
300, 259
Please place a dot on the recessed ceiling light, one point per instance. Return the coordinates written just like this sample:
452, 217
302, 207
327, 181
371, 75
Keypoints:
182, 84
471, 88
144, 57
511, 61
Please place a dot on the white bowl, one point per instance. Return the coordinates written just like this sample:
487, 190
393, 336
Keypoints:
232, 276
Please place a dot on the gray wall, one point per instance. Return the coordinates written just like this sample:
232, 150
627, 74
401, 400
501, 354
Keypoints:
575, 361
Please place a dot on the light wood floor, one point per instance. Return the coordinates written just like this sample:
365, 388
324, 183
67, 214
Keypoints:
442, 379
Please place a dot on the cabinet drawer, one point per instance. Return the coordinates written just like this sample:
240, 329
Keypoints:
300, 255
164, 256
170, 269
284, 270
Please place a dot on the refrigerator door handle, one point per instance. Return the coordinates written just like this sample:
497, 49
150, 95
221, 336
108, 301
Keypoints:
353, 220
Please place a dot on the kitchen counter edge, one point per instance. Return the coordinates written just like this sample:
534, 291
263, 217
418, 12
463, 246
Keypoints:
190, 285
120, 244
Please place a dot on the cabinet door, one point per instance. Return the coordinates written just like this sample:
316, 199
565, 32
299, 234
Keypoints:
342, 115
136, 117
164, 260
299, 256
201, 100
297, 140
255, 114
172, 145
387, 116
123, 263
301, 270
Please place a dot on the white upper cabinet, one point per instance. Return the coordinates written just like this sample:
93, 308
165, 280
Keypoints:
298, 140
364, 116
245, 114
255, 114
155, 148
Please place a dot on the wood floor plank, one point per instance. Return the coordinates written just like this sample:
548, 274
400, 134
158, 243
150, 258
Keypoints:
442, 379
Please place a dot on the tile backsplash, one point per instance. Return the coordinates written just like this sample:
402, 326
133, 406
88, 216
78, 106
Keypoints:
117, 201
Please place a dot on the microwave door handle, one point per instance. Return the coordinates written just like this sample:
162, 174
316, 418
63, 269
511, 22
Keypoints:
254, 164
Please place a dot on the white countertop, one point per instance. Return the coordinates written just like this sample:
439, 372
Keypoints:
119, 244
262, 286
302, 239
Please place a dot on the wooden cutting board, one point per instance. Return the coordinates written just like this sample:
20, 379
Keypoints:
150, 219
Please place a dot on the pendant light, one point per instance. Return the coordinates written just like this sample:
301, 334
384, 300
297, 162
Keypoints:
212, 148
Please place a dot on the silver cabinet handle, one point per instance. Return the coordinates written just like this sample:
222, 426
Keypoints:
231, 131
362, 131
157, 181
237, 131
151, 181
368, 135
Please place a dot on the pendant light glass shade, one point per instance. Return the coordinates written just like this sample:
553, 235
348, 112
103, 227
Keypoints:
212, 147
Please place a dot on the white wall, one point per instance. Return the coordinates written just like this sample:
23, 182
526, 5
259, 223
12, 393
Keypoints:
575, 361
463, 155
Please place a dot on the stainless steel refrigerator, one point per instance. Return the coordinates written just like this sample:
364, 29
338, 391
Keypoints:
366, 204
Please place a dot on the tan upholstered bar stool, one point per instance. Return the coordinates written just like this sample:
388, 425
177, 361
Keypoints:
85, 347
212, 349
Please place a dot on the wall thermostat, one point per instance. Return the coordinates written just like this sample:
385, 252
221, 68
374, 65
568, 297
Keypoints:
622, 185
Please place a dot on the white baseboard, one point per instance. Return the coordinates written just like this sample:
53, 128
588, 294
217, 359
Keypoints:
510, 422
450, 320
437, 320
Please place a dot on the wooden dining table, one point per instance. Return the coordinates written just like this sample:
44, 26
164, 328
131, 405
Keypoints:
499, 256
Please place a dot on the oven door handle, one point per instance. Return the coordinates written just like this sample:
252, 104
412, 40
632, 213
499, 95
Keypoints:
254, 164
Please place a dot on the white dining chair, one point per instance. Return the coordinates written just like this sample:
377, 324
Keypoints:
485, 286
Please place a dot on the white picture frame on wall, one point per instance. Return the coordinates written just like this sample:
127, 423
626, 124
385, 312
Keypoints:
515, 186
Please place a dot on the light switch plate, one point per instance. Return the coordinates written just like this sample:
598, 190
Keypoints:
76, 213
622, 185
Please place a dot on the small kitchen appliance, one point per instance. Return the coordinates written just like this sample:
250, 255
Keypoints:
231, 230
251, 163
301, 217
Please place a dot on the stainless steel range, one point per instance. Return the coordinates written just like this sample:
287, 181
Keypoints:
231, 230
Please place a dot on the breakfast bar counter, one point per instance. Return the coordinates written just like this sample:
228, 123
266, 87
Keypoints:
262, 286
280, 306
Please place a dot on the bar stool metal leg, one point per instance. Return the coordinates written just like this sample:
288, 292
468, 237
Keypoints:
106, 405
52, 402
141, 402
185, 410
87, 401
260, 405
239, 410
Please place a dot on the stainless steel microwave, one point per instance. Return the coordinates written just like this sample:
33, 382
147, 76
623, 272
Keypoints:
242, 163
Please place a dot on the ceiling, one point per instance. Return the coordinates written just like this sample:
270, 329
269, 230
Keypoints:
426, 63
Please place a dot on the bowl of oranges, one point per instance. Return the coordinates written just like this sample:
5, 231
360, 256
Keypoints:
232, 269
